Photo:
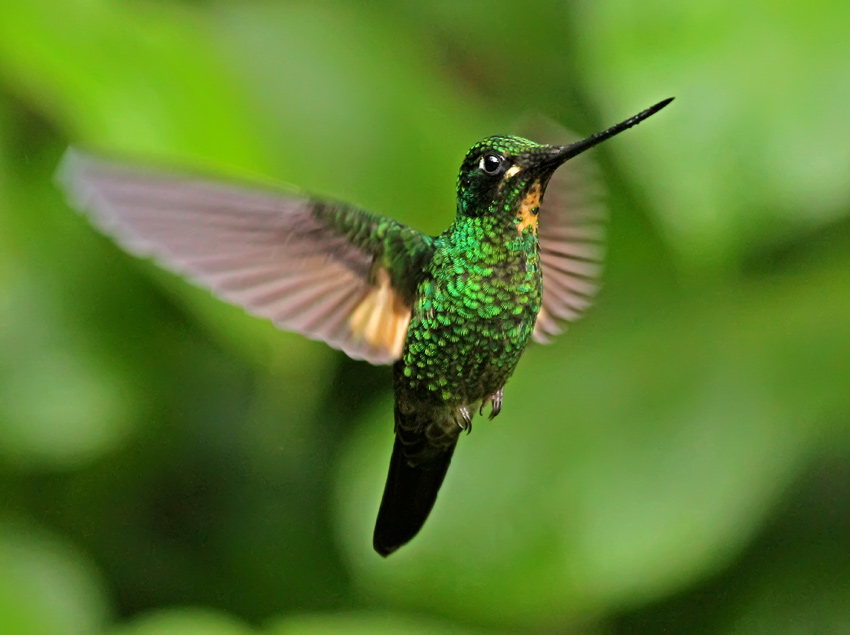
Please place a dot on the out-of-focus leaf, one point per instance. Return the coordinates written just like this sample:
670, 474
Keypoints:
184, 621
621, 466
804, 591
754, 148
60, 405
365, 624
46, 586
129, 77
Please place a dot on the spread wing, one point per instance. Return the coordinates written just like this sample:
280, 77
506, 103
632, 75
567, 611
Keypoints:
327, 270
571, 233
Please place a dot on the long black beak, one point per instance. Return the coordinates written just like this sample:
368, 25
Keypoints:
564, 153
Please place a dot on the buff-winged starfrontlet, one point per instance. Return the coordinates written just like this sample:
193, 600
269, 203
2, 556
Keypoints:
452, 313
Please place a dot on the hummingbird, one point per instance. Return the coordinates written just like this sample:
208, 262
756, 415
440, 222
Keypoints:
452, 313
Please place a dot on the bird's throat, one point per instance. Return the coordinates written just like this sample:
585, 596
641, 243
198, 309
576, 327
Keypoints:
527, 214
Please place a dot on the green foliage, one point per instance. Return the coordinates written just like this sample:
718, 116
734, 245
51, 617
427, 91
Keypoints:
46, 585
675, 463
184, 621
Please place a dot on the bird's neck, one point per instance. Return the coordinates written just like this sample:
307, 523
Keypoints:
490, 239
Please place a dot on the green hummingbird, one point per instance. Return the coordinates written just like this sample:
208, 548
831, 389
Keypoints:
453, 313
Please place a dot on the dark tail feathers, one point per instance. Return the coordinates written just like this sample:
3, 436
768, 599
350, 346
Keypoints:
408, 497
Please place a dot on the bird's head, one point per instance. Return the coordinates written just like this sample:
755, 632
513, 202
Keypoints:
505, 177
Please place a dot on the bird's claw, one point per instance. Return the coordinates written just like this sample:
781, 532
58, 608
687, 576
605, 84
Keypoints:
467, 419
495, 400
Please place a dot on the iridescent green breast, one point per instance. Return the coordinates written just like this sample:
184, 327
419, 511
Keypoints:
474, 314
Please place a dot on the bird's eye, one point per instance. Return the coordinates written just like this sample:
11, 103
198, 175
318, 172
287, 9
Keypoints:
491, 163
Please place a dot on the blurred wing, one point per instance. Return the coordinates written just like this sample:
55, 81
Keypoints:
319, 268
572, 243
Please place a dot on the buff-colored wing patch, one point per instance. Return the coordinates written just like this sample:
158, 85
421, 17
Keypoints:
382, 317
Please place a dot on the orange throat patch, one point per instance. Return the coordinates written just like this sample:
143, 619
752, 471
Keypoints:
527, 215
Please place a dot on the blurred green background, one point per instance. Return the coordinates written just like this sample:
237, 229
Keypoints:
678, 462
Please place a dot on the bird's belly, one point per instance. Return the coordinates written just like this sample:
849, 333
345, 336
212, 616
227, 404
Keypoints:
461, 359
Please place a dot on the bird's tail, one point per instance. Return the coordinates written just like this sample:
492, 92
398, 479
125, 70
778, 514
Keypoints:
417, 469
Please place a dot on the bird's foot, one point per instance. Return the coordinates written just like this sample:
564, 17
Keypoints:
467, 419
495, 401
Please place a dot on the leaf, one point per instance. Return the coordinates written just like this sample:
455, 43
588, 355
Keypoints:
46, 586
365, 623
184, 621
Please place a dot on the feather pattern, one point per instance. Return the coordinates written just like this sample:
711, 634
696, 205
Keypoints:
311, 266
